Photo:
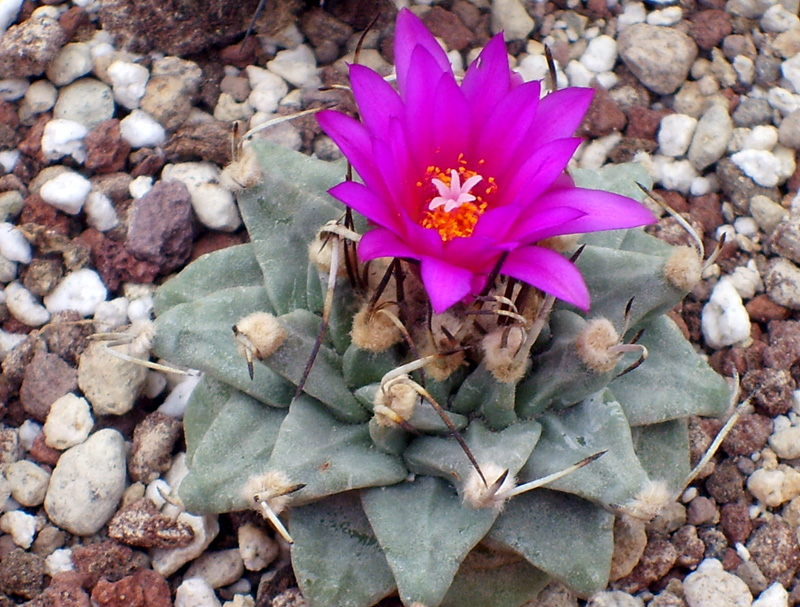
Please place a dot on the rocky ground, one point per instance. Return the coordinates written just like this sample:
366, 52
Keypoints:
115, 118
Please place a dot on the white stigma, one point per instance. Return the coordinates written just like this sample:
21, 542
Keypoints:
454, 195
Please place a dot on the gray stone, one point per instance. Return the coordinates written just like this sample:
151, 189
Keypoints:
789, 131
785, 241
766, 213
752, 112
660, 57
711, 137
782, 281
87, 101
87, 483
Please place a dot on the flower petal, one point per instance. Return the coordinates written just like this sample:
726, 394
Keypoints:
379, 242
488, 78
410, 34
541, 168
549, 271
377, 101
559, 115
545, 223
362, 199
446, 284
603, 210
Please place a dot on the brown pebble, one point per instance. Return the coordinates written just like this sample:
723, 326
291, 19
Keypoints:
106, 150
734, 518
783, 351
22, 574
209, 140
643, 123
701, 510
770, 390
214, 241
153, 440
726, 483
140, 524
708, 28
690, 547
240, 54
35, 210
43, 453
114, 264
762, 309
774, 548
603, 117
105, 559
447, 26
64, 591
658, 558
72, 20
748, 435
145, 588
47, 378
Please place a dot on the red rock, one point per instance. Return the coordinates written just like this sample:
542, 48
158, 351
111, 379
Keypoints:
707, 211
774, 548
107, 560
784, 344
643, 122
748, 435
32, 144
146, 161
603, 117
160, 227
214, 241
240, 55
47, 378
153, 441
762, 309
658, 558
770, 389
145, 588
726, 483
140, 524
72, 20
36, 210
709, 27
447, 26
9, 122
42, 453
106, 150
64, 591
21, 574
735, 522
690, 547
114, 264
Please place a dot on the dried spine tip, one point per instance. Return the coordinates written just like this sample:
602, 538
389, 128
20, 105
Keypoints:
593, 343
478, 494
651, 500
320, 252
684, 269
259, 334
395, 402
268, 494
500, 348
373, 330
244, 172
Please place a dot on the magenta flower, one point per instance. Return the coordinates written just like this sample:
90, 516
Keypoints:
458, 176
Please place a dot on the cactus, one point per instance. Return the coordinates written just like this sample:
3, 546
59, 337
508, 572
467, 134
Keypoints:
378, 490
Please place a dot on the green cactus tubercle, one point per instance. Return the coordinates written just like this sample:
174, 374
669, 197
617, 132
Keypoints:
380, 494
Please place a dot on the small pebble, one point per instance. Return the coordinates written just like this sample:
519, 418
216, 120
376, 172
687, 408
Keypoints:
600, 54
111, 314
21, 526
8, 13
72, 61
82, 290
67, 191
711, 137
257, 549
100, 212
782, 281
791, 71
58, 561
28, 482
786, 442
759, 165
217, 568
267, 89
128, 81
195, 592
774, 487
774, 596
660, 57
214, 205
511, 18
724, 319
23, 305
87, 483
110, 383
68, 423
87, 101
13, 244
140, 130
12, 89
167, 561
175, 403
64, 138
675, 134
40, 97
614, 598
711, 586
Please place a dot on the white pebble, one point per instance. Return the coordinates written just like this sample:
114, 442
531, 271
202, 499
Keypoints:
791, 71
746, 226
66, 191
724, 319
214, 205
175, 403
266, 89
774, 487
68, 423
70, 63
100, 212
29, 430
600, 54
128, 81
608, 80
87, 483
256, 547
594, 155
141, 130
58, 561
778, 19
761, 137
21, 526
154, 384
632, 13
8, 13
82, 290
746, 279
218, 568
785, 442
675, 134
140, 308
9, 341
676, 174
111, 314
195, 592
9, 159
28, 482
140, 186
13, 244
759, 165
774, 596
23, 306
297, 66
783, 100
41, 96
8, 273
64, 138
12, 89
702, 185
578, 74
156, 491
665, 17
711, 586
168, 560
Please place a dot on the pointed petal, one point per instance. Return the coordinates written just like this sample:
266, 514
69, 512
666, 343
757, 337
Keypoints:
446, 284
604, 210
560, 114
363, 200
545, 224
383, 243
539, 171
410, 34
377, 101
355, 142
549, 271
488, 77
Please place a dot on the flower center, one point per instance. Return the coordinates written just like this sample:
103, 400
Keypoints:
455, 211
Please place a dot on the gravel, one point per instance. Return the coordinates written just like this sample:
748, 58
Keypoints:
111, 147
